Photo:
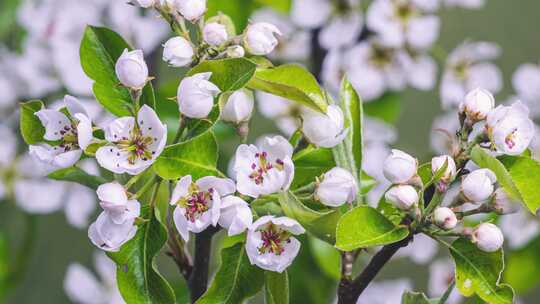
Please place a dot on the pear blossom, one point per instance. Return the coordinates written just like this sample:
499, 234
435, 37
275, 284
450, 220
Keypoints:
477, 104
235, 215
526, 82
238, 107
196, 95
114, 201
264, 169
324, 130
73, 132
438, 162
441, 275
336, 187
445, 218
402, 196
488, 237
270, 243
503, 203
399, 167
477, 186
178, 52
198, 203
341, 31
215, 33
469, 67
133, 144
310, 13
260, 38
282, 111
82, 286
519, 228
406, 22
131, 69
191, 9
510, 128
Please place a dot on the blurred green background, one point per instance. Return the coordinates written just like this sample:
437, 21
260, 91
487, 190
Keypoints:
512, 24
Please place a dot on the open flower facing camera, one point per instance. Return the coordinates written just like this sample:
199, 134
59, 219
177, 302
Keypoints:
197, 140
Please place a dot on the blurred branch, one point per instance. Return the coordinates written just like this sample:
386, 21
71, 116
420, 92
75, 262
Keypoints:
198, 281
317, 54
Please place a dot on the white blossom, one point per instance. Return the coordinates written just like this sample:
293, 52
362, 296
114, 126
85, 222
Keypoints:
510, 128
215, 33
310, 13
477, 186
261, 38
282, 111
264, 169
402, 196
441, 275
477, 104
519, 228
196, 95
131, 69
191, 9
270, 243
399, 167
488, 237
133, 145
235, 215
342, 31
324, 130
503, 203
114, 201
338, 186
238, 107
526, 82
178, 52
445, 218
198, 203
438, 162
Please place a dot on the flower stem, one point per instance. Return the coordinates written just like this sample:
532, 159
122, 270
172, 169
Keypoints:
198, 281
181, 126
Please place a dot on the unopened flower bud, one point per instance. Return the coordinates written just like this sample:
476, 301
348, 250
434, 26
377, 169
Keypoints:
239, 107
502, 203
131, 69
178, 52
438, 162
324, 130
260, 38
235, 215
445, 218
477, 186
477, 104
143, 3
215, 33
196, 95
235, 51
337, 187
488, 237
191, 9
399, 167
402, 196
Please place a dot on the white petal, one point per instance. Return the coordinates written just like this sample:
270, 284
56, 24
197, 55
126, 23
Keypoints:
151, 126
81, 285
54, 122
84, 130
67, 159
181, 190
110, 158
79, 206
181, 223
39, 196
119, 129
224, 186
423, 32
74, 106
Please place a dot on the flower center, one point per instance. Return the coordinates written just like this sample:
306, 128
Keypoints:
381, 56
137, 146
261, 166
69, 138
404, 10
274, 239
197, 203
510, 139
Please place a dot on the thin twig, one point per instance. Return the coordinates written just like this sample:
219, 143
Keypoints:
198, 280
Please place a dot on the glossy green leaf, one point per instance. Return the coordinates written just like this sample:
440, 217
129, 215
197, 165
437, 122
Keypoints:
138, 278
327, 258
321, 224
197, 157
387, 108
196, 127
525, 173
365, 227
310, 163
32, 130
236, 279
227, 74
478, 272
100, 48
77, 175
292, 82
276, 287
523, 267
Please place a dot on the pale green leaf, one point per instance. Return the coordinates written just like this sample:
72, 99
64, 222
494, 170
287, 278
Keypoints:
276, 287
227, 74
32, 130
77, 175
387, 108
327, 258
525, 173
523, 267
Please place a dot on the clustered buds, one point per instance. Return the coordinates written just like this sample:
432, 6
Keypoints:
402, 196
336, 188
131, 69
238, 107
445, 218
261, 38
477, 186
196, 95
400, 167
178, 52
324, 130
477, 104
488, 237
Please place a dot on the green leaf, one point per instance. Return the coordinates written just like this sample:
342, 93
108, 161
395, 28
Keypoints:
387, 108
365, 227
478, 272
293, 82
415, 298
525, 173
236, 279
227, 74
321, 224
276, 287
238, 10
310, 163
77, 175
523, 267
327, 258
282, 6
32, 130
198, 127
100, 48
197, 157
138, 278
